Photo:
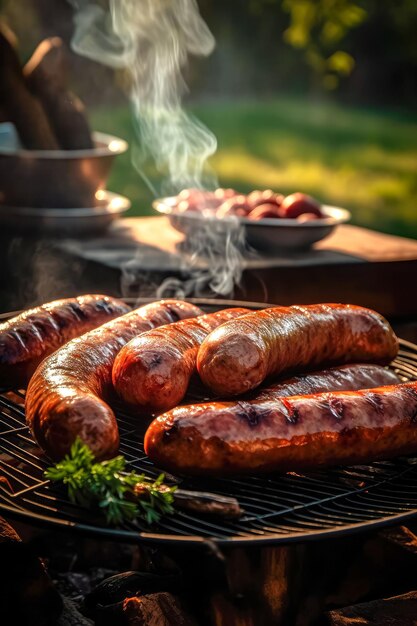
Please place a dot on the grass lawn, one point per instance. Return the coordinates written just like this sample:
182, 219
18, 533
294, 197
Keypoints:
364, 160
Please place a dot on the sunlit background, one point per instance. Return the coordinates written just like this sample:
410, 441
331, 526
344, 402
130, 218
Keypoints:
316, 96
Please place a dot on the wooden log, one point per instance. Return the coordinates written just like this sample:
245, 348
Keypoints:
396, 611
385, 564
157, 609
20, 106
116, 588
46, 76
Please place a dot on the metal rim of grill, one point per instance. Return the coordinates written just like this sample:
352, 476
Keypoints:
278, 508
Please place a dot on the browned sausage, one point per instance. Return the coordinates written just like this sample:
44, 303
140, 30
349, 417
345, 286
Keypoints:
240, 354
65, 397
153, 371
344, 378
286, 434
31, 336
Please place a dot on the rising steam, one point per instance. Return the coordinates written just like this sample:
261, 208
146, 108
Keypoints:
153, 39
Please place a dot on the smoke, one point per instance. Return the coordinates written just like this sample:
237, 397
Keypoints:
42, 273
153, 39
209, 262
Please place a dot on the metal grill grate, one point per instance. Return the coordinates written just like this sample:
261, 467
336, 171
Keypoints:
278, 508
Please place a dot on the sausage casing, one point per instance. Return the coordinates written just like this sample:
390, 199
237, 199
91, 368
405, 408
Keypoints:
274, 432
66, 395
153, 371
240, 354
344, 378
31, 336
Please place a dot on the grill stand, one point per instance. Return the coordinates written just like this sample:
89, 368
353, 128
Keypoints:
243, 586
289, 585
250, 586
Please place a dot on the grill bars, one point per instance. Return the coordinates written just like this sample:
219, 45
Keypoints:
291, 507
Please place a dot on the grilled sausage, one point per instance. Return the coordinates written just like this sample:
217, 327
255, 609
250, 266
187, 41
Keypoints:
153, 371
240, 354
31, 336
285, 434
344, 378
66, 395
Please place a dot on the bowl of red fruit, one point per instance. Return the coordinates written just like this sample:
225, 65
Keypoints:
270, 220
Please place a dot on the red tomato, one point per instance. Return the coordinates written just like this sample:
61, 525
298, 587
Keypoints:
298, 203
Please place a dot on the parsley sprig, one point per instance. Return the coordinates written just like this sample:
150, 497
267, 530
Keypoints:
106, 485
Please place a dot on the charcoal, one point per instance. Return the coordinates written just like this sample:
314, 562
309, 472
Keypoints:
75, 585
109, 615
71, 615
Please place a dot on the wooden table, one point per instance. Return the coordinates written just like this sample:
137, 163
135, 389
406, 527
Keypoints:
353, 265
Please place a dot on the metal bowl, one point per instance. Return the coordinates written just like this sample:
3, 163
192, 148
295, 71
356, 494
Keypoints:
69, 222
54, 178
263, 235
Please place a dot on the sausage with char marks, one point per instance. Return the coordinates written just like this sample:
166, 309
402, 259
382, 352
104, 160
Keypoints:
344, 378
25, 340
280, 433
153, 371
66, 396
240, 354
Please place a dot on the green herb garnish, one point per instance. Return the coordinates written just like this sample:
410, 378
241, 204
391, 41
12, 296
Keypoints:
106, 485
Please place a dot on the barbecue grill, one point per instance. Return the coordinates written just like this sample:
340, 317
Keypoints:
277, 508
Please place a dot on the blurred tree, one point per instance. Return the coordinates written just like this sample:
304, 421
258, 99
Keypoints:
318, 27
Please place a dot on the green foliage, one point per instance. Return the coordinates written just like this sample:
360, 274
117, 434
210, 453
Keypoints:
318, 27
106, 486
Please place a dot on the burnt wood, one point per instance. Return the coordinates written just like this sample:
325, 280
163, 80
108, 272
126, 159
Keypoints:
397, 611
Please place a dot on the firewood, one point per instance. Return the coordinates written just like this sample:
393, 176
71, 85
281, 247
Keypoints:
27, 595
385, 563
45, 74
401, 539
7, 533
116, 588
18, 103
157, 609
396, 611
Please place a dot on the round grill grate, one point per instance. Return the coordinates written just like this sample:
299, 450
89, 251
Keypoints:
278, 508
